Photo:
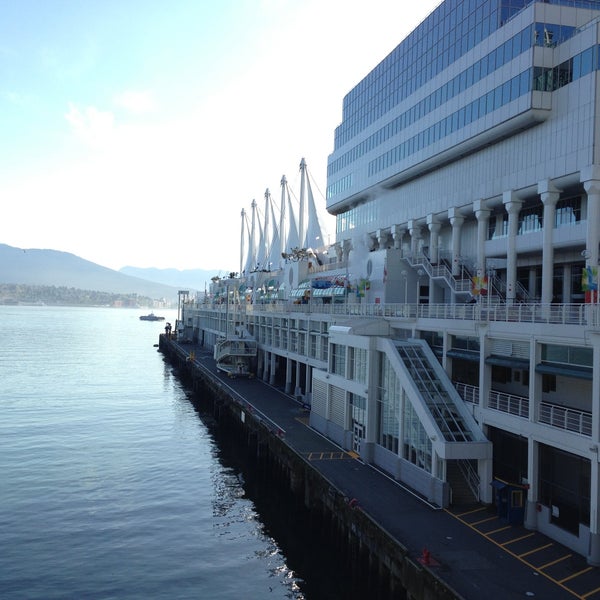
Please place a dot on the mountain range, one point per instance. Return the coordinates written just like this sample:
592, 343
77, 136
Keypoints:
55, 268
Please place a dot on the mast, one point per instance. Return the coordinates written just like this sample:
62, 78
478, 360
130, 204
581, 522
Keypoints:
242, 240
266, 233
301, 230
282, 230
251, 261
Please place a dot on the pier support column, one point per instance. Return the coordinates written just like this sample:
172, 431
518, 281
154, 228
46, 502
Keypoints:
273, 368
265, 373
308, 385
288, 375
531, 510
298, 390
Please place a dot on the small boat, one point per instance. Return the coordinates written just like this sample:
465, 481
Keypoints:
151, 317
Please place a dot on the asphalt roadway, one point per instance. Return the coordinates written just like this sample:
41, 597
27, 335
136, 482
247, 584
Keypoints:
477, 554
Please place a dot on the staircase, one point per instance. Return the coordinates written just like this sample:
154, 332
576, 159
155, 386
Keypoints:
461, 491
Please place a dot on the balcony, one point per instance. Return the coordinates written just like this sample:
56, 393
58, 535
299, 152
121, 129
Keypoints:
560, 417
578, 421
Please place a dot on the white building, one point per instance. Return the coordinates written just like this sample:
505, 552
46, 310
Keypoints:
451, 334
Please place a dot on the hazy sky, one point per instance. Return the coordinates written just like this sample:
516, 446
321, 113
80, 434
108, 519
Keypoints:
133, 132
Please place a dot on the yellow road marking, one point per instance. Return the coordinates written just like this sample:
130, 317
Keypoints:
497, 530
576, 574
485, 520
523, 537
590, 593
555, 561
535, 550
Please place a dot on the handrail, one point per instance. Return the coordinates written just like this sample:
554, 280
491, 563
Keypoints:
560, 314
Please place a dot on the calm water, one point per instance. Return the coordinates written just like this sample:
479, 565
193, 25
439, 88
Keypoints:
111, 485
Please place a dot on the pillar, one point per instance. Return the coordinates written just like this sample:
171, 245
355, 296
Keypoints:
266, 363
434, 239
533, 476
298, 390
272, 368
590, 177
456, 220
512, 204
483, 216
382, 237
549, 195
308, 384
415, 238
288, 375
397, 235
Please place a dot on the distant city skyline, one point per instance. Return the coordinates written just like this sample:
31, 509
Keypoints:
134, 133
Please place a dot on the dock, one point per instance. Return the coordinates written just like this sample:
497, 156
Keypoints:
411, 548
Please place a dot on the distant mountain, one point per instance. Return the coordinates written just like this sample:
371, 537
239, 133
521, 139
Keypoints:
188, 279
54, 268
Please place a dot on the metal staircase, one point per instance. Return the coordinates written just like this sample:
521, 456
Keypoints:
441, 270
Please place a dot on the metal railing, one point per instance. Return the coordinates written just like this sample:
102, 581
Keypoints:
561, 417
469, 393
560, 314
509, 403
571, 419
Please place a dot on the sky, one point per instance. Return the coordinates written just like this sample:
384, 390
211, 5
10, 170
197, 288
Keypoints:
134, 132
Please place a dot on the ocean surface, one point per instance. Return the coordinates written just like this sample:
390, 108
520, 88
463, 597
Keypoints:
114, 485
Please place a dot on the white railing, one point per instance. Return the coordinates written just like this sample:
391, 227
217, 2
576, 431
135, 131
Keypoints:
469, 393
509, 403
570, 419
561, 314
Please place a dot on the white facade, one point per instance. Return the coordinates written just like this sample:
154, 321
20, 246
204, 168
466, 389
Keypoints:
449, 335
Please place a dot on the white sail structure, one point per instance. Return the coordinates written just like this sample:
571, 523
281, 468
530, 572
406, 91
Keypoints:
299, 228
252, 243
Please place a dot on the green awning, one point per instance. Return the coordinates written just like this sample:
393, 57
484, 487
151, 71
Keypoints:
565, 370
508, 361
464, 355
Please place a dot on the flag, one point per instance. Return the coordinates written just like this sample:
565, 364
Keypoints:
589, 279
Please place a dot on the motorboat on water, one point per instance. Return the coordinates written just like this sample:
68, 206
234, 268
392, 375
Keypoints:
151, 317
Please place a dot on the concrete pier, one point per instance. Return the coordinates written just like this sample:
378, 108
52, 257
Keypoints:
405, 548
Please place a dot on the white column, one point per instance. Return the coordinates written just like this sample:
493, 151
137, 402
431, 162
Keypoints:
308, 384
397, 235
415, 238
483, 216
591, 183
513, 206
298, 390
288, 375
456, 220
434, 238
549, 195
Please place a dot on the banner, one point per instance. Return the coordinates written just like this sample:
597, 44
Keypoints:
479, 285
589, 279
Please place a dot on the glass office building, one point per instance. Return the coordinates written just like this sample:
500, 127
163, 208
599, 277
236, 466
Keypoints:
452, 332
